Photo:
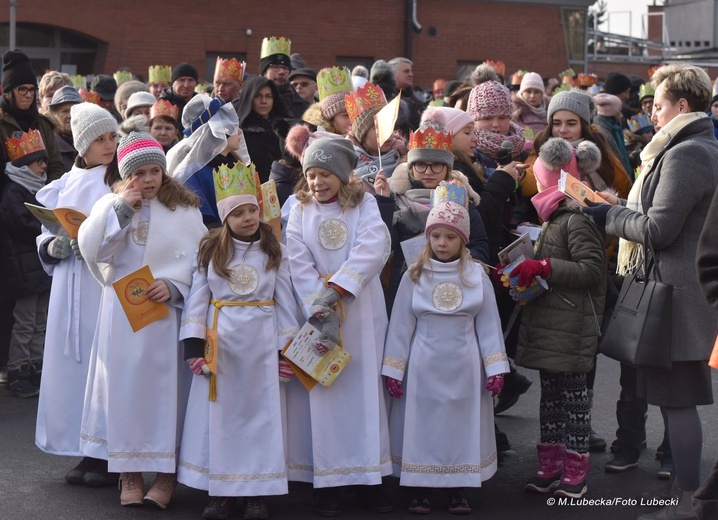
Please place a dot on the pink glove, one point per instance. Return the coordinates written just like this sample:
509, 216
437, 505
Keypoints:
495, 384
285, 371
528, 269
198, 366
393, 386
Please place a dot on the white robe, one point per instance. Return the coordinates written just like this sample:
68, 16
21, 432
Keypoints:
233, 446
138, 382
444, 340
71, 321
338, 436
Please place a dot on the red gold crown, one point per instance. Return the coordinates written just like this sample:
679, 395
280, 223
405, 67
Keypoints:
363, 99
231, 69
430, 138
517, 77
164, 108
89, 96
498, 66
587, 80
26, 144
653, 70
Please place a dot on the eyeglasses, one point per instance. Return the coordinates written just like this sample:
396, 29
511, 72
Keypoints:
420, 167
303, 84
42, 161
277, 66
24, 91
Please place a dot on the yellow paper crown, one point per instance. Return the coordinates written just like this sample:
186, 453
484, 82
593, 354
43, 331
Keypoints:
231, 69
363, 99
90, 96
122, 76
26, 144
160, 74
202, 87
646, 90
587, 80
333, 81
274, 45
567, 72
79, 81
430, 138
237, 180
561, 88
498, 66
164, 108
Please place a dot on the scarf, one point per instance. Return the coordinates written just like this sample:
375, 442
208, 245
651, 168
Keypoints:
630, 254
524, 108
25, 177
490, 142
617, 131
26, 119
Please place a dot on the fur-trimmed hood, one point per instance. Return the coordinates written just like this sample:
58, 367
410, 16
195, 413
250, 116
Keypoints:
400, 182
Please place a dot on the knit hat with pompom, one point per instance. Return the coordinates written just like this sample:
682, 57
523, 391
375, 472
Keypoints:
137, 147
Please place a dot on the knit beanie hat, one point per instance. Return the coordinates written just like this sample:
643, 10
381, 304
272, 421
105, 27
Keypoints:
88, 122
24, 148
139, 99
574, 101
531, 80
452, 215
555, 155
16, 70
451, 119
616, 83
607, 105
336, 155
137, 148
184, 69
364, 122
490, 99
334, 84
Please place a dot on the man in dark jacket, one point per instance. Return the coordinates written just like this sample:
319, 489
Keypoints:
275, 64
184, 81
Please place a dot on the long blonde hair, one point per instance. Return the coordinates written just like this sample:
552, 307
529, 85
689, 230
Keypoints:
350, 194
171, 193
417, 269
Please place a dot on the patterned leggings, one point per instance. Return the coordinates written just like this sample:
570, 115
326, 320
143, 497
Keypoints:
565, 412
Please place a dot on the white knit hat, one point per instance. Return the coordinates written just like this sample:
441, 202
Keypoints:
88, 122
531, 80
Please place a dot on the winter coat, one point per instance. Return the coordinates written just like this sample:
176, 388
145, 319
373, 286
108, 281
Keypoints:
707, 255
293, 103
676, 196
525, 116
67, 150
285, 178
9, 125
21, 272
559, 329
171, 96
262, 144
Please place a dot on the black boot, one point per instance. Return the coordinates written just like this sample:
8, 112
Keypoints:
515, 384
76, 474
374, 499
35, 372
327, 502
19, 383
100, 477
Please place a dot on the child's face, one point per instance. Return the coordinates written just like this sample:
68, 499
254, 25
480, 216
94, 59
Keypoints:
496, 124
243, 221
465, 140
429, 174
342, 123
38, 167
148, 179
102, 150
369, 143
323, 184
445, 243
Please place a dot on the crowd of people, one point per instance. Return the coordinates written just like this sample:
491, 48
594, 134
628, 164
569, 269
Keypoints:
391, 248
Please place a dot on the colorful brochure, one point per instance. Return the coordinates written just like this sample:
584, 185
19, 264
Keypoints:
131, 292
578, 191
522, 295
59, 221
521, 247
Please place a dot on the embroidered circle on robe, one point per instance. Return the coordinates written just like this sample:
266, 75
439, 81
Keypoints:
245, 279
447, 296
139, 235
333, 234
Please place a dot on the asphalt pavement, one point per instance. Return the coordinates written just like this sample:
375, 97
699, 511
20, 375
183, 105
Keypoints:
32, 484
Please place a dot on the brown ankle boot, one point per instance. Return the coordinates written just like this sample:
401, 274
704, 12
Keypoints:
161, 491
132, 488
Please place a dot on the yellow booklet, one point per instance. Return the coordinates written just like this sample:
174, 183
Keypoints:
59, 221
578, 191
271, 210
131, 292
302, 354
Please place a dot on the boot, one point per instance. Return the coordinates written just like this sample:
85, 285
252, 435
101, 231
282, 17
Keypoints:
596, 443
161, 491
35, 369
682, 511
254, 509
131, 489
76, 474
705, 499
219, 508
327, 502
548, 476
19, 383
573, 480
515, 385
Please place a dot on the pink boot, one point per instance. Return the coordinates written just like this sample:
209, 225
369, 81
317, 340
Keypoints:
573, 480
548, 476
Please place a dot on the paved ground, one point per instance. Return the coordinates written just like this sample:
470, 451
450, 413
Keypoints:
32, 484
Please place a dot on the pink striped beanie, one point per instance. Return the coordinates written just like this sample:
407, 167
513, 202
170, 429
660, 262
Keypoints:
138, 149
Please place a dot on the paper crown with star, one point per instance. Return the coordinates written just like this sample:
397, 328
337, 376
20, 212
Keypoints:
25, 147
430, 138
236, 185
160, 74
587, 80
163, 108
90, 96
452, 191
122, 76
79, 81
274, 45
363, 99
230, 68
333, 80
498, 66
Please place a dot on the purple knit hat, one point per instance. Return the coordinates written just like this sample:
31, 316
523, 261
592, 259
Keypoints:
490, 99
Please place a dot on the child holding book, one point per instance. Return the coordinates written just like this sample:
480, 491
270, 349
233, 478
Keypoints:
445, 351
136, 391
335, 240
75, 295
232, 442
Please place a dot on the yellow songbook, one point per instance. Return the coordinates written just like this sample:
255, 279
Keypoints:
131, 292
59, 221
578, 191
271, 210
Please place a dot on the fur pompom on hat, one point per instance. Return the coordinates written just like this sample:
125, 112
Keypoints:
451, 215
555, 155
137, 147
452, 119
588, 157
483, 73
490, 99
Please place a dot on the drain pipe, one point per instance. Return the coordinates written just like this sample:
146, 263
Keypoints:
412, 25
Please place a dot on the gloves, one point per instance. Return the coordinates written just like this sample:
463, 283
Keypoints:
59, 248
597, 212
198, 366
75, 248
393, 386
528, 269
325, 302
329, 337
495, 384
285, 371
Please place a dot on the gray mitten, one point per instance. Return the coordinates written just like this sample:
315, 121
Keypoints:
59, 248
75, 248
329, 338
325, 302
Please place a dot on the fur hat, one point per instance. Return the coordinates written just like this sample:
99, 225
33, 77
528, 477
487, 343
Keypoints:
531, 80
452, 119
452, 215
557, 154
137, 147
88, 122
336, 155
574, 101
607, 105
16, 70
490, 99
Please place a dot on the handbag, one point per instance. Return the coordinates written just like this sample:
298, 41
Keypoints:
640, 329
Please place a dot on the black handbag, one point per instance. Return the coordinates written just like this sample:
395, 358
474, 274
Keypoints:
640, 329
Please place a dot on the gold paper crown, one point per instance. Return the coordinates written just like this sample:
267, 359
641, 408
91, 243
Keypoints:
231, 69
79, 81
122, 76
90, 96
160, 74
430, 138
363, 99
26, 144
333, 81
587, 80
498, 66
646, 90
164, 108
202, 87
274, 45
567, 72
237, 180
